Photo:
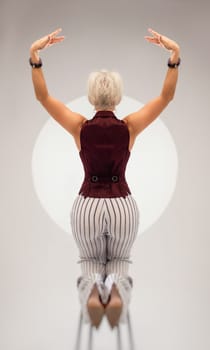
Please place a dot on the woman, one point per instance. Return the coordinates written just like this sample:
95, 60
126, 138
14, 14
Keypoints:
104, 216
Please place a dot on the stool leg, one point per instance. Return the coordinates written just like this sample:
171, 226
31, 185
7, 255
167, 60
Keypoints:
119, 343
90, 340
130, 333
77, 345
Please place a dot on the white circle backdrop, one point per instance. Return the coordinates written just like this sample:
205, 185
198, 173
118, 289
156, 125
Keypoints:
57, 170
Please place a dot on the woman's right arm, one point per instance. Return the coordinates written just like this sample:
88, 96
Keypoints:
40, 86
68, 119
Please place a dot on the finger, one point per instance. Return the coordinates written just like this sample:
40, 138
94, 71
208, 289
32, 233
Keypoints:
55, 40
58, 37
149, 38
154, 41
53, 37
157, 36
153, 32
55, 32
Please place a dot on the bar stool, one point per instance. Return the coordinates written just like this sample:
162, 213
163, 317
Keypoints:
118, 333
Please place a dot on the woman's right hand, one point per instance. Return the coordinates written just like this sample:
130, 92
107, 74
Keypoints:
46, 41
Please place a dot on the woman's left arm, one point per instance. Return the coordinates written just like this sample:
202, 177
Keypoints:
139, 120
170, 82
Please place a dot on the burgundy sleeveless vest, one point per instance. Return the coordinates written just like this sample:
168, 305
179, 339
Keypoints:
104, 154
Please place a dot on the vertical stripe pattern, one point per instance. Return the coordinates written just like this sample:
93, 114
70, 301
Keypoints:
104, 230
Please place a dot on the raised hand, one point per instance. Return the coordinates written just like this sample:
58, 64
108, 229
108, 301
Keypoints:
162, 40
47, 40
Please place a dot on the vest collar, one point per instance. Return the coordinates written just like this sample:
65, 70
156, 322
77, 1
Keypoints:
104, 114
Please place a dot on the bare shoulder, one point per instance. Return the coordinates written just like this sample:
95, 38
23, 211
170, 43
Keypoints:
139, 120
68, 119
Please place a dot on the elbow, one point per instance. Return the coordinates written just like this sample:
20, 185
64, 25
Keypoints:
37, 97
41, 94
168, 97
41, 98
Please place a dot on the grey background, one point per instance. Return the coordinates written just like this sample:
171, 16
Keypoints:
170, 304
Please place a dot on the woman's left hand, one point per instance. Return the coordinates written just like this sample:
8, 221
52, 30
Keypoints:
162, 40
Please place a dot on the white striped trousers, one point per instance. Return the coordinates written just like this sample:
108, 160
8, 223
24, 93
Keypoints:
104, 230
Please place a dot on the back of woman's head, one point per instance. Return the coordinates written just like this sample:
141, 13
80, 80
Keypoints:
105, 89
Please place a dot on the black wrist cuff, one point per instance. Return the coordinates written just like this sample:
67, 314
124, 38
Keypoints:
35, 65
174, 65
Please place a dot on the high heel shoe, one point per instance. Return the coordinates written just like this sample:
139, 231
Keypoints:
95, 307
114, 307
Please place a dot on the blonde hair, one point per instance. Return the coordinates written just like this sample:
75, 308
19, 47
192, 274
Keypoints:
105, 89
